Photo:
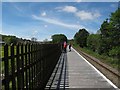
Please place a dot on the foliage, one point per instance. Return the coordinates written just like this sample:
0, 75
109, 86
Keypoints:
106, 42
33, 39
110, 32
115, 26
59, 38
93, 42
115, 52
8, 39
104, 37
81, 37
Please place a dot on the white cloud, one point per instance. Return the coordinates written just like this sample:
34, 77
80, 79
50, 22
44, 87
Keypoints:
56, 22
78, 0
83, 15
70, 9
43, 14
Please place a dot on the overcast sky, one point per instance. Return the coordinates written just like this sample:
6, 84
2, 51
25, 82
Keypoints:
43, 19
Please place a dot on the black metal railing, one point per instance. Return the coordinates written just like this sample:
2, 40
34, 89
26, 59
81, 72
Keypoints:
28, 65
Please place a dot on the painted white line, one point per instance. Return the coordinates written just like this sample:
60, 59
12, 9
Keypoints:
97, 71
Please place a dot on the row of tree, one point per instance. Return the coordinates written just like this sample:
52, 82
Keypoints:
57, 38
8, 39
107, 41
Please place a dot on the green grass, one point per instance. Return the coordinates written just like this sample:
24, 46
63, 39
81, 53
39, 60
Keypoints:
113, 62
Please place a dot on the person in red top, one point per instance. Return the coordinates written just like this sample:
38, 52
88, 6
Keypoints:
65, 46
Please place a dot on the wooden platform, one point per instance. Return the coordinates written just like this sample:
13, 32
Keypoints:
74, 72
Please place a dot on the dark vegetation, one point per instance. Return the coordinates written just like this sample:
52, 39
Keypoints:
106, 43
8, 39
81, 37
59, 38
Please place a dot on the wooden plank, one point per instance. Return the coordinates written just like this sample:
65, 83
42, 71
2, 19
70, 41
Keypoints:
22, 66
29, 65
26, 59
13, 66
32, 66
18, 66
6, 67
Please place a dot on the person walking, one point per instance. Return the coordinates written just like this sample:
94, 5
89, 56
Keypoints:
69, 47
65, 46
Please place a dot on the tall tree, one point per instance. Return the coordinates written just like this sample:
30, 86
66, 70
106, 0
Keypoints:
81, 37
115, 27
115, 33
59, 38
110, 32
105, 37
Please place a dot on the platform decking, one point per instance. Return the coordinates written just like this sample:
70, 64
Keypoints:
73, 72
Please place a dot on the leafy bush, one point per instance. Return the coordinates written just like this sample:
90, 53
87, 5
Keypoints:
93, 42
115, 52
